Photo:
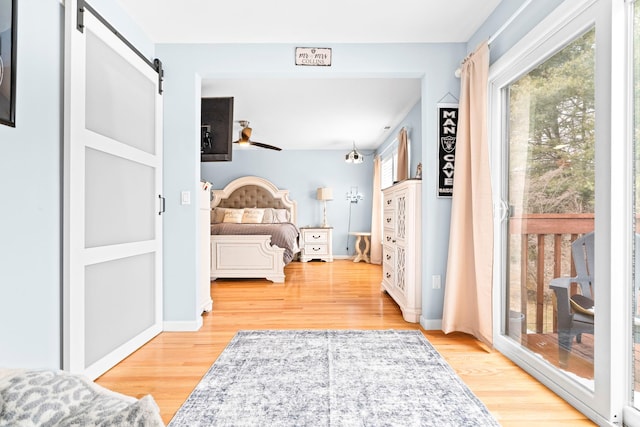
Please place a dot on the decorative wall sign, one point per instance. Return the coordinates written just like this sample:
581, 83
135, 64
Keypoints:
447, 135
313, 56
8, 21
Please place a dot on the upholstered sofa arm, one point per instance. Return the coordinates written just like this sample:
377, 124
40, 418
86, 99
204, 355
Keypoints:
59, 398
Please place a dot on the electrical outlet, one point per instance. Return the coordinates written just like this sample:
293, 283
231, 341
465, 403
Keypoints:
436, 282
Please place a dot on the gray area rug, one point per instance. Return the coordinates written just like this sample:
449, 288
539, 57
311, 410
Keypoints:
331, 378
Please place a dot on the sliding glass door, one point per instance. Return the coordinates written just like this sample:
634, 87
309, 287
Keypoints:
563, 250
551, 198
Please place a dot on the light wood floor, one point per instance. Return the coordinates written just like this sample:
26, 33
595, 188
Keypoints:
318, 295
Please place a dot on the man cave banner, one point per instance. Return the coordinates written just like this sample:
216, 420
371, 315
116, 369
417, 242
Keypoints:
447, 134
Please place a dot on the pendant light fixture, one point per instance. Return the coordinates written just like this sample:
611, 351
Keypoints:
354, 156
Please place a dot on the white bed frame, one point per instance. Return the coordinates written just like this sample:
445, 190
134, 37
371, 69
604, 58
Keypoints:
250, 256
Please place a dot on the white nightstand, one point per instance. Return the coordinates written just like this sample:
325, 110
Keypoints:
316, 243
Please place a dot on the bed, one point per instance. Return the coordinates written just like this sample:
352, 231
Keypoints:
253, 230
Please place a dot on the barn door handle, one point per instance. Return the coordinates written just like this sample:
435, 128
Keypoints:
162, 204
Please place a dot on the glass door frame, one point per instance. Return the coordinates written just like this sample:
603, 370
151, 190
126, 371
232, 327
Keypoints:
631, 413
613, 211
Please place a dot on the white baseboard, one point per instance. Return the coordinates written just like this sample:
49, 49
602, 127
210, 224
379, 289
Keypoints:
431, 324
182, 326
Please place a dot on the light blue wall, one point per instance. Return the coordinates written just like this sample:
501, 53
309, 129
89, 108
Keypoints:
186, 65
30, 165
30, 189
302, 172
30, 185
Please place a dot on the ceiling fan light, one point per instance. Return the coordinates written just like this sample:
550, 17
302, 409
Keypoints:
245, 138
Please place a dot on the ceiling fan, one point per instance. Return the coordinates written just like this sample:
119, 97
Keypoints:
245, 135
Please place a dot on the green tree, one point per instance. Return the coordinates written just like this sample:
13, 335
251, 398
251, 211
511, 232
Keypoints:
553, 107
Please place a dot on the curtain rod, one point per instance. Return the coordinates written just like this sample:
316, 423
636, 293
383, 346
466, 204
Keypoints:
394, 142
509, 21
499, 31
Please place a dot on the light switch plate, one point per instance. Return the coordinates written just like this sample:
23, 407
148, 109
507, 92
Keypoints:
435, 282
185, 198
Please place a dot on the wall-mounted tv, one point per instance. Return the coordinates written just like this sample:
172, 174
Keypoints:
215, 129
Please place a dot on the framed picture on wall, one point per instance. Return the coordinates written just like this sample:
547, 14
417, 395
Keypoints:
8, 21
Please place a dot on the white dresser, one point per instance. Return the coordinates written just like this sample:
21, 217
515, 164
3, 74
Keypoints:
316, 243
401, 243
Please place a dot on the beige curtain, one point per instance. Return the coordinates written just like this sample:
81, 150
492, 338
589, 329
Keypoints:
376, 221
403, 156
467, 298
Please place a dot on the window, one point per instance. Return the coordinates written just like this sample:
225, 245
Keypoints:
389, 168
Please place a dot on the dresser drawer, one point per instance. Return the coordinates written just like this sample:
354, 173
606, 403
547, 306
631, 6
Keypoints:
387, 238
315, 236
389, 219
315, 250
387, 272
388, 255
387, 203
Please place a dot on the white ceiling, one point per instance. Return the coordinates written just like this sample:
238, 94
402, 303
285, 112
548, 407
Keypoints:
313, 113
318, 113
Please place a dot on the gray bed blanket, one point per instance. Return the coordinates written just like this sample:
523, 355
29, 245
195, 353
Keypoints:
283, 235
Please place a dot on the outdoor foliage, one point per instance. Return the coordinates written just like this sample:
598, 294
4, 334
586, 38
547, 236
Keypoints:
551, 163
552, 122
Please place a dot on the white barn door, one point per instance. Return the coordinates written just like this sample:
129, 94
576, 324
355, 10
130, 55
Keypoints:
112, 293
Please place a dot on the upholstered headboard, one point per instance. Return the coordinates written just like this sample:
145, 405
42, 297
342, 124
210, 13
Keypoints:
254, 192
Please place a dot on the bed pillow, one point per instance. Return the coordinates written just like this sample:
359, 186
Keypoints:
281, 215
217, 215
252, 216
233, 215
267, 218
276, 216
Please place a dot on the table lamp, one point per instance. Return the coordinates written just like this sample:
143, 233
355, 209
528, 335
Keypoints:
324, 194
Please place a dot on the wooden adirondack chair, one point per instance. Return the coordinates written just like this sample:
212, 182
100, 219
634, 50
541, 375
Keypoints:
576, 312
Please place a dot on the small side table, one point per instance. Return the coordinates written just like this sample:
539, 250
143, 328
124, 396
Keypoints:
362, 239
316, 243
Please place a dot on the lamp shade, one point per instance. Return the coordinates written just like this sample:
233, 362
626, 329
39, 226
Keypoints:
324, 193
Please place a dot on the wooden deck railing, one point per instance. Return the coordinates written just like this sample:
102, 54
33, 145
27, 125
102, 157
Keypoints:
533, 230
